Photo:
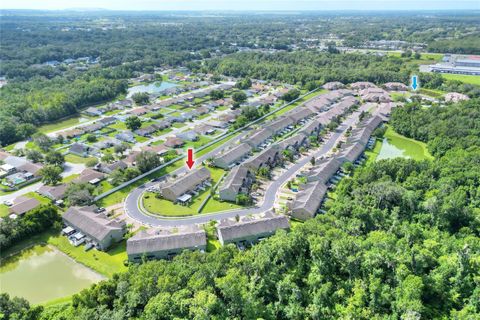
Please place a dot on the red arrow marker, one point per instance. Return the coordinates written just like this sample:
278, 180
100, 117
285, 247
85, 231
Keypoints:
190, 160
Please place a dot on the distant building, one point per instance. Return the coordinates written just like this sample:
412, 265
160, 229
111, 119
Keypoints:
455, 97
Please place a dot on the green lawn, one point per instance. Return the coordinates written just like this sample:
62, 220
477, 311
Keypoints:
119, 125
4, 210
432, 93
200, 142
167, 208
67, 123
76, 159
396, 145
217, 206
70, 178
463, 78
373, 153
178, 125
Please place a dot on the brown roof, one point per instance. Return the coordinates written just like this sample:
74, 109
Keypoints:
24, 206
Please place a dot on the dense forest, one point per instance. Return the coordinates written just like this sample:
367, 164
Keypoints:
401, 240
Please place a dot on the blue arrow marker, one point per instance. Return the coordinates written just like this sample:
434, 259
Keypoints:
414, 83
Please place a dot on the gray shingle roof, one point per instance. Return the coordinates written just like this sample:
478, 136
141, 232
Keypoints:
144, 242
187, 182
231, 230
235, 153
310, 198
94, 225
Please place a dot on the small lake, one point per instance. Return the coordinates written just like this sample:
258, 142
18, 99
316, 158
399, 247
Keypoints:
42, 273
154, 87
399, 146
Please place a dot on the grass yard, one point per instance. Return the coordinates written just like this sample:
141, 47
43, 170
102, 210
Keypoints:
70, 178
67, 123
200, 142
214, 205
76, 159
373, 153
178, 125
463, 78
4, 212
167, 208
120, 195
396, 145
432, 93
119, 125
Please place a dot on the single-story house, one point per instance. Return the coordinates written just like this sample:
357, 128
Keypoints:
184, 184
308, 200
163, 244
53, 192
22, 204
174, 142
91, 176
102, 231
250, 230
233, 155
238, 180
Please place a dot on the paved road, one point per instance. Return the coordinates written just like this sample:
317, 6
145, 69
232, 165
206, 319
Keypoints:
133, 199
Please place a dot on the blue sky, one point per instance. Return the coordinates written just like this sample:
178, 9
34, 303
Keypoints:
243, 4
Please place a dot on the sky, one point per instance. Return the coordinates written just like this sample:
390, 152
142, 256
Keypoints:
241, 5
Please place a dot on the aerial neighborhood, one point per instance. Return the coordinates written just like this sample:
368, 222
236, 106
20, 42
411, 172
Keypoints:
279, 148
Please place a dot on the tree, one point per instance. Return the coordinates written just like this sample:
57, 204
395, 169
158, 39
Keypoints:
133, 123
147, 160
141, 98
217, 94
91, 162
91, 138
264, 172
244, 84
34, 155
291, 95
239, 96
79, 194
51, 174
42, 141
55, 158
121, 148
108, 157
243, 199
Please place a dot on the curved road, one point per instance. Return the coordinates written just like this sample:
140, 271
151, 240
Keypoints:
132, 202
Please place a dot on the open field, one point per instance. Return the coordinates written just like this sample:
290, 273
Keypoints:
463, 78
63, 124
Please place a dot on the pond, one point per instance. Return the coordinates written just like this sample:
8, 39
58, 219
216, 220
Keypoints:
154, 87
42, 273
395, 145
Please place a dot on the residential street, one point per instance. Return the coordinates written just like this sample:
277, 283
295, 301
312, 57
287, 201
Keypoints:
133, 199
